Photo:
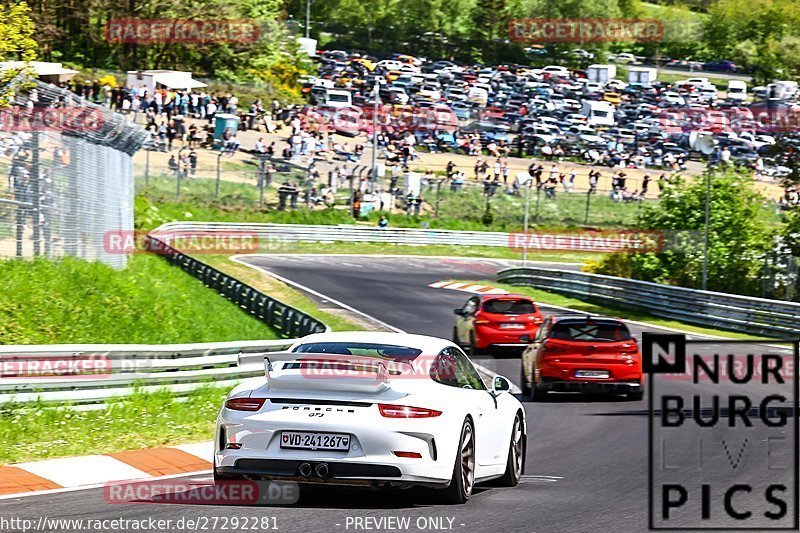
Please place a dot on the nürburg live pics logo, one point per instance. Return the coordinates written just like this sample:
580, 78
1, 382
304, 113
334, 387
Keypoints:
723, 439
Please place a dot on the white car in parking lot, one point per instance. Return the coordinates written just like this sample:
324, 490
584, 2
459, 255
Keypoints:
371, 409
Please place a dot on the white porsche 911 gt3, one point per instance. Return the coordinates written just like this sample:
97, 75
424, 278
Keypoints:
376, 409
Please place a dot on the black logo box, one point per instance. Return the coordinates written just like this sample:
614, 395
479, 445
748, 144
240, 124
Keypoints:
667, 354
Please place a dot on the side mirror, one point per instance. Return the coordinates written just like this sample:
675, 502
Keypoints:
458, 312
500, 384
525, 338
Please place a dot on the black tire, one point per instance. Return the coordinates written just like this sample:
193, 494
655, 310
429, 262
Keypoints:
538, 393
473, 349
523, 381
463, 479
515, 460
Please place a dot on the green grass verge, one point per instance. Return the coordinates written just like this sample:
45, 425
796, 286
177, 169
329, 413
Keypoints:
74, 301
364, 248
545, 297
31, 432
280, 291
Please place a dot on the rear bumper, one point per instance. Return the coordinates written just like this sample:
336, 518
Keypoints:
339, 473
590, 385
488, 337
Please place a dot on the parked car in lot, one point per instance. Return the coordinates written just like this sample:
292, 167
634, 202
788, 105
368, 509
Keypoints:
622, 58
720, 65
582, 353
489, 131
494, 322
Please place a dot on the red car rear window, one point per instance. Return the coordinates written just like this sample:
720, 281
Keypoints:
509, 307
572, 331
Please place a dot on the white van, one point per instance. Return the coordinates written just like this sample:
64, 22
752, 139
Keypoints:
601, 74
478, 95
335, 98
783, 90
598, 113
737, 90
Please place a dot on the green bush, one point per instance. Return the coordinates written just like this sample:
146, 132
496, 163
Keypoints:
741, 232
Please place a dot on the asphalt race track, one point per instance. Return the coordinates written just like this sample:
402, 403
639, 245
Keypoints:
587, 456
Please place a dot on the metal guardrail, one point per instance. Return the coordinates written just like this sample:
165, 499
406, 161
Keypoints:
270, 233
122, 369
283, 318
720, 310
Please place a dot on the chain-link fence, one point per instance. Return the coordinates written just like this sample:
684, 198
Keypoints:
69, 175
248, 180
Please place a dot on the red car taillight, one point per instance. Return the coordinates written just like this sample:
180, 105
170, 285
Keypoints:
404, 411
245, 404
548, 346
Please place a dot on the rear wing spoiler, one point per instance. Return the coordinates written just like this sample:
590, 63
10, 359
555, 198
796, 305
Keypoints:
324, 371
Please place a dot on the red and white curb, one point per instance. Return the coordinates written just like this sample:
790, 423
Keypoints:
467, 287
93, 470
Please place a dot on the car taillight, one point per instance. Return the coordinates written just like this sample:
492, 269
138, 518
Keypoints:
482, 321
551, 347
404, 411
245, 404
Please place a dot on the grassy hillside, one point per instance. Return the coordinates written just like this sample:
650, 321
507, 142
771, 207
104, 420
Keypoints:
74, 301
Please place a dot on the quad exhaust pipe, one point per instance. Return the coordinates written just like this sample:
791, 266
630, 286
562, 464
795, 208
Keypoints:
322, 470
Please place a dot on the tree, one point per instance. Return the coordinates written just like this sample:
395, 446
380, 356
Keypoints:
490, 19
762, 34
16, 32
16, 43
739, 237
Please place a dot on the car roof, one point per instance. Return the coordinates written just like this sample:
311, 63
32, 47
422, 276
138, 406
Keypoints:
587, 318
485, 297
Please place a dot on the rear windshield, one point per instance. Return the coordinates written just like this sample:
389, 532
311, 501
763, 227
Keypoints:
590, 331
364, 349
509, 307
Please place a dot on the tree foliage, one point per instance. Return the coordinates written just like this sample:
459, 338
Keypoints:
739, 237
74, 31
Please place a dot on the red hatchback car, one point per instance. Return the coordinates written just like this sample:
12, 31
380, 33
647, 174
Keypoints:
496, 322
582, 353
